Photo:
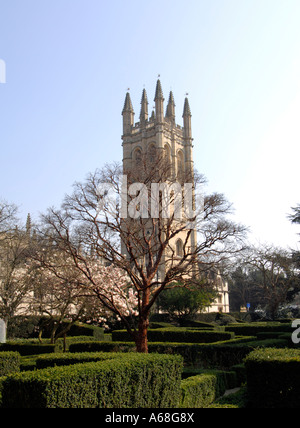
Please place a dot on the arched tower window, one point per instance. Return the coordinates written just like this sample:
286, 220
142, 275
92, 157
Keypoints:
179, 248
152, 153
167, 153
137, 156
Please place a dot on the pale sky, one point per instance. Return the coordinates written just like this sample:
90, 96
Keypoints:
69, 64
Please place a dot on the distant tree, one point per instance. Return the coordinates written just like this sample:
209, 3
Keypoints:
15, 267
8, 217
278, 279
295, 217
65, 295
183, 303
244, 287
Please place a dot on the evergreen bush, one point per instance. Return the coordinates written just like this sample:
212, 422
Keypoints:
177, 335
9, 363
202, 390
132, 381
273, 378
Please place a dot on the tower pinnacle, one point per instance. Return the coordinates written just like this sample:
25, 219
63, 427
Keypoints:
128, 115
144, 107
159, 102
170, 113
187, 123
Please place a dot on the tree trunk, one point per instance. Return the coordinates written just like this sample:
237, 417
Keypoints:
142, 335
53, 335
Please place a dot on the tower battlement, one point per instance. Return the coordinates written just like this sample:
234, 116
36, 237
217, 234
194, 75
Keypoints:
158, 130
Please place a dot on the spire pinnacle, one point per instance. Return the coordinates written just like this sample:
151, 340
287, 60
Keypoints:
127, 104
186, 109
158, 92
170, 113
144, 107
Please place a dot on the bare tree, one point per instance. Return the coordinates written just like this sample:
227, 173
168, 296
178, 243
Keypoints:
132, 231
8, 217
278, 277
56, 292
15, 284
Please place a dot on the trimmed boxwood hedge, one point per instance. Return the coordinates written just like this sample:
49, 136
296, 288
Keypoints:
273, 378
200, 391
177, 335
128, 381
9, 363
52, 360
254, 328
27, 348
222, 354
2, 379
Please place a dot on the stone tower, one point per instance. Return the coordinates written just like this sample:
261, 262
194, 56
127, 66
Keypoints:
160, 133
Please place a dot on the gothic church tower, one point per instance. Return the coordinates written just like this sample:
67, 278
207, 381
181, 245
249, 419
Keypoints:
159, 133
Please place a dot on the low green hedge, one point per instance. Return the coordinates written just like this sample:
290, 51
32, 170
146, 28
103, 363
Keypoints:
1, 383
27, 348
80, 329
273, 378
253, 329
177, 335
228, 379
89, 346
9, 363
52, 360
221, 354
202, 390
237, 400
227, 355
28, 327
131, 381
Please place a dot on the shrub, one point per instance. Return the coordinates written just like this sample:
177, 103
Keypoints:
240, 371
28, 327
87, 346
60, 343
22, 326
227, 355
254, 328
228, 379
273, 378
200, 391
79, 329
237, 400
52, 360
27, 348
133, 380
197, 324
9, 363
219, 354
1, 383
177, 335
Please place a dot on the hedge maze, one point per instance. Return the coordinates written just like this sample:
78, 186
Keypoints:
187, 367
